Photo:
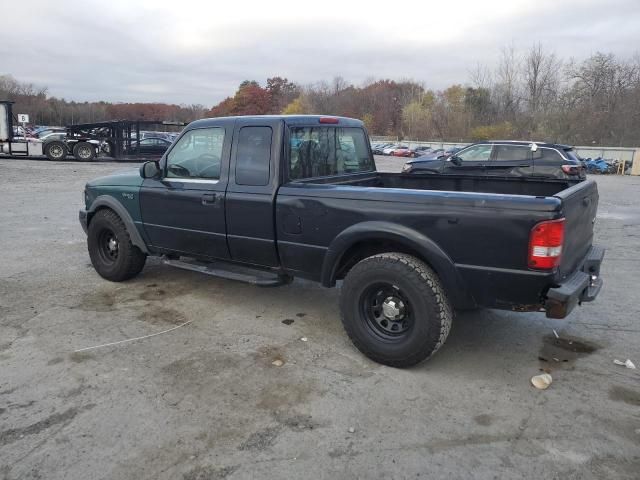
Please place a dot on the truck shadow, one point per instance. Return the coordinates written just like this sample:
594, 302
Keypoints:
479, 340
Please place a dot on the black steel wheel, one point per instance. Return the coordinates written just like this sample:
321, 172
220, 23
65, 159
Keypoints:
112, 253
386, 310
108, 246
394, 309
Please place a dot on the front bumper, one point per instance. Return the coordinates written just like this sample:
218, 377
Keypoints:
82, 216
583, 285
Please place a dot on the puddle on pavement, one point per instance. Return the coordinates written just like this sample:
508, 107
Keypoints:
626, 395
562, 352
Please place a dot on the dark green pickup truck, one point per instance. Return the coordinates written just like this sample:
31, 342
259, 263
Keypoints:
266, 199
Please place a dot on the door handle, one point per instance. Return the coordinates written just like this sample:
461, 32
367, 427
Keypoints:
208, 198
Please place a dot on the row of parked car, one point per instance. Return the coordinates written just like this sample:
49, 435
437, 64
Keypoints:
494, 158
400, 150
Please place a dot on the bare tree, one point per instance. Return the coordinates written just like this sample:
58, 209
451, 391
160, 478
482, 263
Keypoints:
540, 71
507, 83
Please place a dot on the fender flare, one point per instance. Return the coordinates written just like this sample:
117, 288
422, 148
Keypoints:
110, 202
428, 250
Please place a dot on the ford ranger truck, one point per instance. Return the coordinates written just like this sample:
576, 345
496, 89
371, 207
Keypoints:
264, 199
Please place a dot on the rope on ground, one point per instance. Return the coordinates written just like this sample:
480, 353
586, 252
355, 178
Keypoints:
132, 339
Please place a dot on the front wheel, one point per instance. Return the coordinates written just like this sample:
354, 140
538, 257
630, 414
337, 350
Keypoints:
112, 253
394, 309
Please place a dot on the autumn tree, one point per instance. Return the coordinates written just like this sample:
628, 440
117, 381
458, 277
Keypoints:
282, 93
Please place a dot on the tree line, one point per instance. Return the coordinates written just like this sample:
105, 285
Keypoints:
530, 94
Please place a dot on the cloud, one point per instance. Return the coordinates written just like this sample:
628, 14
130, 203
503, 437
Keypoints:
199, 51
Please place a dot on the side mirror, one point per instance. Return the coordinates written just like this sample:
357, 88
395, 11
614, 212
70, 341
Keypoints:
457, 161
150, 169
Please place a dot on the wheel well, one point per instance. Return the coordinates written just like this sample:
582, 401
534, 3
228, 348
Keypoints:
90, 215
361, 250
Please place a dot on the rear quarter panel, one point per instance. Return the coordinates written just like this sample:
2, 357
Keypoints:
477, 231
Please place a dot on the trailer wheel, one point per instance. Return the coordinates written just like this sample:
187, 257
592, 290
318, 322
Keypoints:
84, 151
394, 309
55, 150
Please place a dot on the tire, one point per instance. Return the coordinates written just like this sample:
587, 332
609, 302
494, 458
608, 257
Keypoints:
112, 254
84, 152
404, 287
56, 150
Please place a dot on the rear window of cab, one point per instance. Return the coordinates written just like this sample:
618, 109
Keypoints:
324, 151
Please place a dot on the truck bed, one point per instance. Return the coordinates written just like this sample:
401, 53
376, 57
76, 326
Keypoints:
481, 225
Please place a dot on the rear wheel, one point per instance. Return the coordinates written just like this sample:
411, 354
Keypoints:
84, 151
112, 253
394, 309
55, 150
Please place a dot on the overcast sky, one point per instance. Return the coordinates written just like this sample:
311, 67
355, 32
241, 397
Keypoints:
184, 51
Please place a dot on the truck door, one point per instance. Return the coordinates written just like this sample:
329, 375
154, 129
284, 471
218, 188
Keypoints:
510, 161
183, 211
253, 182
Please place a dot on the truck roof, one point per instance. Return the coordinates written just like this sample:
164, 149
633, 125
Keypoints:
288, 119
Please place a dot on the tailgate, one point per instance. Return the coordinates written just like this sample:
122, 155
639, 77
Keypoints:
579, 207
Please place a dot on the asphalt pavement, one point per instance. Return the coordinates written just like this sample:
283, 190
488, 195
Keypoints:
205, 401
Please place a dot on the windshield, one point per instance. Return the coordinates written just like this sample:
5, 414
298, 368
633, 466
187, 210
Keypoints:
322, 151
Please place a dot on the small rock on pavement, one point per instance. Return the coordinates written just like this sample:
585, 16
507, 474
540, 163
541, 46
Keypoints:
304, 339
277, 362
352, 430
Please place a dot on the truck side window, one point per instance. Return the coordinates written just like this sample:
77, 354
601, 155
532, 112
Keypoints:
322, 151
197, 154
254, 156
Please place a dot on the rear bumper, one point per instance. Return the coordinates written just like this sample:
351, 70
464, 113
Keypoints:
583, 285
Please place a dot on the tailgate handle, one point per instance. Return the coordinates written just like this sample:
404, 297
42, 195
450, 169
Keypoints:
586, 201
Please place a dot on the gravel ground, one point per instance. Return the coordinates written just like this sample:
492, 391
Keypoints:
205, 402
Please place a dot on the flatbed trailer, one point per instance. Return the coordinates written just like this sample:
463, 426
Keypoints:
118, 139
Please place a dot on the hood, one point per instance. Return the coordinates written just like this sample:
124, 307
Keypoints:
430, 164
123, 178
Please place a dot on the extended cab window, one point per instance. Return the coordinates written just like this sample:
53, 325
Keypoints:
476, 153
322, 151
513, 153
197, 154
254, 156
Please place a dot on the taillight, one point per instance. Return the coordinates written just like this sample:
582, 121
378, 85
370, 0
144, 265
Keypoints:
570, 169
545, 244
328, 120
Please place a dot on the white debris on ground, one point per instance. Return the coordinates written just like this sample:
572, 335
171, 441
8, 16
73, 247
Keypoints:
542, 381
628, 363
